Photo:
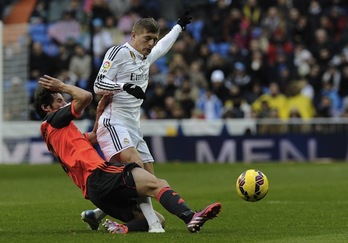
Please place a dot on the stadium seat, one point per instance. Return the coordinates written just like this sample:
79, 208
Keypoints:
195, 28
37, 29
51, 49
162, 64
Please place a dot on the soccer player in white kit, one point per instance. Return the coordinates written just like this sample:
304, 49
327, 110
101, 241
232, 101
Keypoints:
119, 134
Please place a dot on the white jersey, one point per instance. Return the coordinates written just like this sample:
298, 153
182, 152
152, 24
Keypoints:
123, 64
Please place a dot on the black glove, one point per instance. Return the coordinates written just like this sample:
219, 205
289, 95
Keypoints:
134, 90
185, 19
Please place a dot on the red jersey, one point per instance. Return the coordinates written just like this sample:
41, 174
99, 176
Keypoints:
66, 142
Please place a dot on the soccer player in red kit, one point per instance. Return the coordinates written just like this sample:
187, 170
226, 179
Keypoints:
112, 187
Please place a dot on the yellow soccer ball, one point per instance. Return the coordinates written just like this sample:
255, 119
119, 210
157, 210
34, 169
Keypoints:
252, 185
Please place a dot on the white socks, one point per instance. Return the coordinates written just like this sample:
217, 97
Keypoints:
154, 223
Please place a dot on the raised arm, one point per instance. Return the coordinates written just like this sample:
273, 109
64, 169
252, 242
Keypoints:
81, 97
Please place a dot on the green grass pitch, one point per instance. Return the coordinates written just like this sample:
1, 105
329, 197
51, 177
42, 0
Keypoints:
306, 202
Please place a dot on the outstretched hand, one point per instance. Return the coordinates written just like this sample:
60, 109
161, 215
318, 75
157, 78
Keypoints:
51, 83
134, 90
185, 19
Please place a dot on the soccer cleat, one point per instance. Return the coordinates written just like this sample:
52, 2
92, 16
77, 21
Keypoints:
89, 217
115, 228
199, 218
156, 228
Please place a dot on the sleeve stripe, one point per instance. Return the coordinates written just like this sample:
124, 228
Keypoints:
101, 83
108, 87
114, 52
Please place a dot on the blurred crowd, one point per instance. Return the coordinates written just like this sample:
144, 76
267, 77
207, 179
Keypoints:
285, 59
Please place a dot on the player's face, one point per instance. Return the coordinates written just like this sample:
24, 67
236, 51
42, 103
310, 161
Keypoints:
144, 42
58, 102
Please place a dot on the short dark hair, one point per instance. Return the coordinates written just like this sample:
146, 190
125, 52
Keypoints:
148, 24
42, 96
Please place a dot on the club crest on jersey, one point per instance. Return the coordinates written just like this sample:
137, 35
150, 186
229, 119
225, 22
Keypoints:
132, 56
126, 141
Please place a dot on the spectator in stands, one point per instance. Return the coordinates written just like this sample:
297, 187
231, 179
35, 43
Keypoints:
317, 30
197, 75
156, 75
171, 10
203, 55
80, 64
324, 110
281, 70
39, 62
102, 40
321, 48
65, 28
235, 54
252, 13
212, 31
178, 67
39, 13
302, 56
314, 79
301, 31
335, 101
275, 100
117, 35
254, 94
62, 59
332, 75
272, 20
209, 106
126, 22
306, 88
235, 105
278, 44
173, 109
231, 25
170, 84
299, 102
119, 8
258, 68
100, 10
218, 85
343, 85
240, 78
215, 61
155, 104
75, 8
186, 95
146, 8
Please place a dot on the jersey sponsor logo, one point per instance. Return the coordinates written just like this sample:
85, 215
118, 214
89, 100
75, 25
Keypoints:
106, 65
139, 77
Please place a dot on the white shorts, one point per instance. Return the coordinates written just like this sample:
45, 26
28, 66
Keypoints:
115, 136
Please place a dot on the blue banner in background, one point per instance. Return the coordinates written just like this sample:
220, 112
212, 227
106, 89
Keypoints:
228, 149
207, 149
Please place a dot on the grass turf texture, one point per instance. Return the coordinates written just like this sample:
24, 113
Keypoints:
305, 203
